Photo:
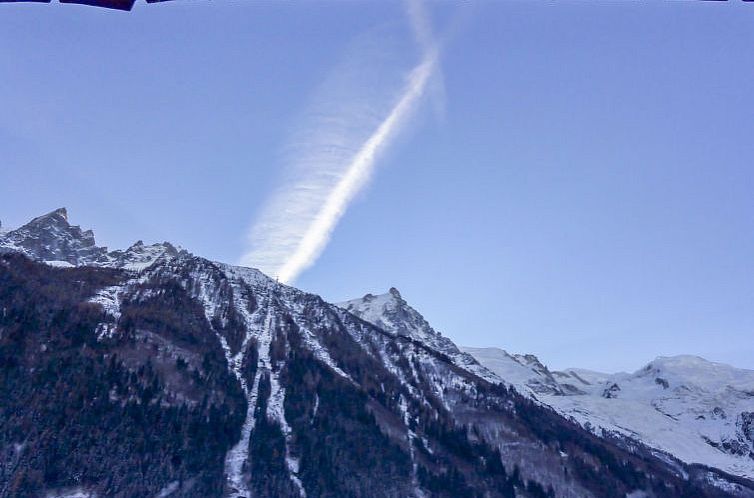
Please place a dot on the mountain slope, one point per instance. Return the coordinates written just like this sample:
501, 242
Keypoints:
687, 387
694, 409
526, 372
392, 314
159, 373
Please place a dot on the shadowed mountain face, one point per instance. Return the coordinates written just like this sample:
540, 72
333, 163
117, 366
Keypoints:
159, 373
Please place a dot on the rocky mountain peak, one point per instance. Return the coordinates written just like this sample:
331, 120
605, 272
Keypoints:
394, 315
390, 312
56, 217
140, 255
62, 212
52, 239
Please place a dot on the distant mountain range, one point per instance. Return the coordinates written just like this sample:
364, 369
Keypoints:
154, 372
694, 409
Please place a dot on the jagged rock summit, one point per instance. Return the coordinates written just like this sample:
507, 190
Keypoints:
155, 372
391, 313
50, 238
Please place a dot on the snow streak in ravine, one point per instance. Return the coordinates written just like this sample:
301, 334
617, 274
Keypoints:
259, 326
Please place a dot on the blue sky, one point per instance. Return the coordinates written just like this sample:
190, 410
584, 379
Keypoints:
580, 188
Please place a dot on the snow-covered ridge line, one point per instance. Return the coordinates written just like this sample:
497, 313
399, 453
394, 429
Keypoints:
391, 313
696, 410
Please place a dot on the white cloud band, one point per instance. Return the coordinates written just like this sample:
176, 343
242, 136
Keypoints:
334, 165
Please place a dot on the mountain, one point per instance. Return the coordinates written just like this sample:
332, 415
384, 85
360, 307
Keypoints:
155, 372
392, 314
526, 373
678, 405
50, 238
696, 410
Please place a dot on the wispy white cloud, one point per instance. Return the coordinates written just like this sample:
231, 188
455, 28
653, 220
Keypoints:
422, 28
333, 156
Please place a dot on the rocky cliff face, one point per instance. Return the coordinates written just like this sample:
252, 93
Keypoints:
160, 373
50, 238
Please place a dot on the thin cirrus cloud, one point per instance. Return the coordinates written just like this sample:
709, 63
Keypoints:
355, 116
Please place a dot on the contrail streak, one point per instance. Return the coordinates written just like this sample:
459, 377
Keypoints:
298, 222
318, 234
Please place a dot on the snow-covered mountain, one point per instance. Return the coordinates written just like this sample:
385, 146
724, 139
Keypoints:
526, 373
391, 313
155, 372
51, 239
697, 410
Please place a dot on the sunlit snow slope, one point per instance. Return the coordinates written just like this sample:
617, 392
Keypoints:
694, 409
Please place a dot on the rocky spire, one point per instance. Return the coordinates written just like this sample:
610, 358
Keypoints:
51, 238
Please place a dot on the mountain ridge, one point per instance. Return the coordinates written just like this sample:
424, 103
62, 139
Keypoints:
52, 239
207, 379
695, 409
